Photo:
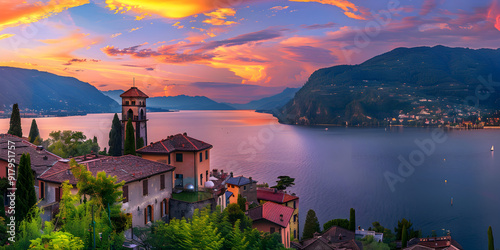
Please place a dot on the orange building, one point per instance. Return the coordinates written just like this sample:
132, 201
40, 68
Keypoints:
189, 156
246, 187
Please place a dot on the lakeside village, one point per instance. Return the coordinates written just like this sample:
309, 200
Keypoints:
164, 195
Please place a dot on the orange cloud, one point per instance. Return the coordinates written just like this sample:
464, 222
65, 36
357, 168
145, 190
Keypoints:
494, 14
164, 8
219, 16
18, 12
178, 25
276, 8
3, 36
115, 35
348, 7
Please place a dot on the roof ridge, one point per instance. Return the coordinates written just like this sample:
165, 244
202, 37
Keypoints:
161, 142
185, 136
55, 173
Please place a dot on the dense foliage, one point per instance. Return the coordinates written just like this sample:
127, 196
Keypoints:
15, 122
404, 237
311, 225
491, 244
369, 243
70, 143
352, 220
343, 223
115, 137
284, 182
208, 230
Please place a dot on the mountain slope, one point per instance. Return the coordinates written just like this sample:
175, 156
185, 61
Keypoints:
269, 103
439, 79
37, 90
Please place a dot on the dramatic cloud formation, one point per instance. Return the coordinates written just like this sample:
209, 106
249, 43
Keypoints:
3, 36
17, 12
219, 16
348, 7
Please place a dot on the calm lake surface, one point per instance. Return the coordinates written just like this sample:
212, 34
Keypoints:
340, 168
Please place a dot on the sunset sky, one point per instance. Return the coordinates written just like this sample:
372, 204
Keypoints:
227, 50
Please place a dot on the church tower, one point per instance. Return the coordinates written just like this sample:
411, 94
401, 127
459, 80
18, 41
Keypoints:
134, 107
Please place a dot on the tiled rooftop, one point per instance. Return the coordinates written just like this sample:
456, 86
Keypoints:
272, 212
134, 92
239, 181
280, 197
178, 142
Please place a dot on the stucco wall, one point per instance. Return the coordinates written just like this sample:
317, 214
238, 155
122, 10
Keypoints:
155, 196
265, 226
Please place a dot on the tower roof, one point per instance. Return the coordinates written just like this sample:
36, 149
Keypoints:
134, 92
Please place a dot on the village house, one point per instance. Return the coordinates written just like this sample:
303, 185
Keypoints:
146, 192
361, 233
189, 156
272, 218
434, 243
334, 238
282, 198
246, 187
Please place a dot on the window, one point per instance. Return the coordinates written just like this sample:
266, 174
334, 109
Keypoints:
295, 234
201, 157
206, 155
294, 204
148, 214
126, 102
178, 157
201, 179
125, 194
244, 187
295, 218
162, 182
133, 102
272, 230
42, 190
145, 187
168, 158
58, 194
206, 175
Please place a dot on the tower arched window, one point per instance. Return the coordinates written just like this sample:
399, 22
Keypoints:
142, 117
130, 114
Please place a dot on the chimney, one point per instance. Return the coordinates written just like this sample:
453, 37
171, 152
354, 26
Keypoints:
222, 171
316, 235
231, 174
281, 217
246, 206
45, 158
250, 178
185, 134
340, 236
359, 228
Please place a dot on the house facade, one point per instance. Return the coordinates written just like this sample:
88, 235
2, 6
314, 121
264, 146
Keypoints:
189, 156
146, 192
272, 218
282, 198
239, 185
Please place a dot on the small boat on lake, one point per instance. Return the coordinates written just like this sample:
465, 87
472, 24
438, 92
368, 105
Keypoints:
492, 148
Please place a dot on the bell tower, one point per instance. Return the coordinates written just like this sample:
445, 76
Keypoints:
134, 107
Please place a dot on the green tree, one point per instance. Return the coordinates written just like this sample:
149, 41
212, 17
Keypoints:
71, 143
284, 182
242, 202
369, 243
15, 122
343, 223
25, 193
115, 137
140, 142
404, 237
352, 220
399, 229
94, 148
57, 240
491, 244
311, 225
34, 133
234, 213
129, 148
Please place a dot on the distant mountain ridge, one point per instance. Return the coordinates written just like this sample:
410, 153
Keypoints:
43, 91
180, 102
434, 82
269, 103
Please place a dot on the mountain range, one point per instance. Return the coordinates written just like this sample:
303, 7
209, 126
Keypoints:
42, 91
268, 103
431, 82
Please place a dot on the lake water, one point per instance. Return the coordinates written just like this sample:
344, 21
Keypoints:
340, 168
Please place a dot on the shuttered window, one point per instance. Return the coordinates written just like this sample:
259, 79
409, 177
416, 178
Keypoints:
125, 194
58, 194
145, 187
162, 182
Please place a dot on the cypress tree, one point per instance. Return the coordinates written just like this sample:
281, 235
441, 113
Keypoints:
115, 137
491, 245
15, 122
404, 237
25, 193
34, 132
311, 225
129, 139
352, 220
140, 142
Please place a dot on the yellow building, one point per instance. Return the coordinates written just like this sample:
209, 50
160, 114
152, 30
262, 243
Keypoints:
273, 195
189, 156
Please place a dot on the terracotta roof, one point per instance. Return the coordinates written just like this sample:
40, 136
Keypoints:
267, 194
275, 213
126, 168
134, 92
41, 159
443, 242
331, 240
178, 142
239, 181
